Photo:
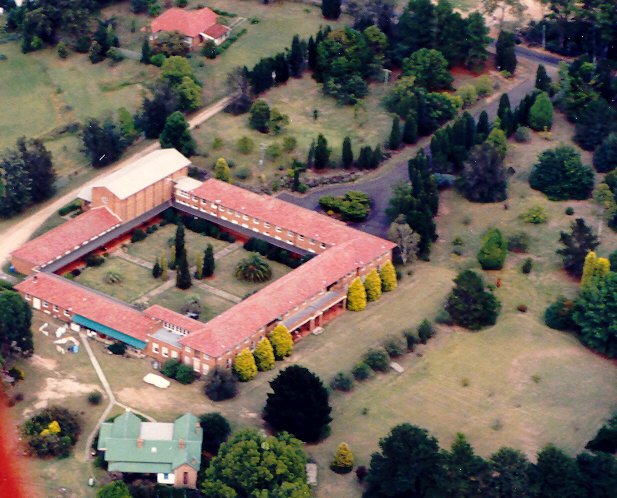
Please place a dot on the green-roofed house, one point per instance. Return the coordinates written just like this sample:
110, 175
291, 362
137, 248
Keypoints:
172, 451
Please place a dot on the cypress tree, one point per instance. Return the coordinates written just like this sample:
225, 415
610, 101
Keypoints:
156, 269
146, 52
347, 153
376, 157
281, 68
504, 103
364, 159
264, 355
199, 266
312, 54
505, 59
244, 366
388, 277
183, 275
282, 341
395, 134
296, 57
322, 153
331, 9
163, 267
179, 242
372, 285
541, 113
543, 80
209, 264
356, 296
410, 130
310, 159
483, 128
470, 130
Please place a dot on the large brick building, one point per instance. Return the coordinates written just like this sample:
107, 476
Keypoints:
302, 300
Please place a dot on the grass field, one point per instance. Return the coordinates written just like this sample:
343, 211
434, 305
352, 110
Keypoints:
161, 240
211, 305
136, 280
369, 125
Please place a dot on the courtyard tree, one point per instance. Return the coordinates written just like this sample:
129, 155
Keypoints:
102, 143
253, 268
183, 273
405, 238
179, 240
576, 245
408, 463
208, 264
264, 355
356, 295
15, 325
388, 277
176, 135
157, 271
372, 284
250, 464
484, 177
469, 305
298, 404
282, 342
244, 366
221, 170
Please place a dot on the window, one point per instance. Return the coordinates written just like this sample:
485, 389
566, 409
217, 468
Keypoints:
155, 347
245, 217
278, 229
300, 237
55, 307
205, 356
104, 199
266, 224
174, 354
45, 304
322, 245
185, 478
256, 221
187, 349
204, 201
66, 313
194, 198
290, 233
228, 363
165, 352
213, 205
312, 242
182, 193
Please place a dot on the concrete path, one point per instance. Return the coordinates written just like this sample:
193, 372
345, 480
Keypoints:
217, 292
228, 250
110, 396
134, 259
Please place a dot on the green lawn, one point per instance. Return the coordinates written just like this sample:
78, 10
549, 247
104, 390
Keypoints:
136, 280
174, 299
152, 247
224, 274
369, 125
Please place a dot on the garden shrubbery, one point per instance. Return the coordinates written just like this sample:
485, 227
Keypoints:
492, 254
52, 432
353, 206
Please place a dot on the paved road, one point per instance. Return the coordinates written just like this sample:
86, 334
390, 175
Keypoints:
23, 230
380, 188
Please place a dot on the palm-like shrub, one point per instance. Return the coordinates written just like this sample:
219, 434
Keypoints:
254, 268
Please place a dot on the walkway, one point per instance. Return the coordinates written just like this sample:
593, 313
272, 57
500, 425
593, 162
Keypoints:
110, 395
217, 292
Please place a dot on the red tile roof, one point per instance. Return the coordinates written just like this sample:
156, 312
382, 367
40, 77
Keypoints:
187, 22
68, 236
89, 304
216, 31
169, 316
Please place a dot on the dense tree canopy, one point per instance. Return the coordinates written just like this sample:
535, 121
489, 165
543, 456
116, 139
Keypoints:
430, 68
469, 305
484, 177
577, 244
15, 323
102, 143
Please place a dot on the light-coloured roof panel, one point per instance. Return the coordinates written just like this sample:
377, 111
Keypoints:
159, 431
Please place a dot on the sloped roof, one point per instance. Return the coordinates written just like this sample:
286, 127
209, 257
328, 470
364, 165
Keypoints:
169, 316
90, 304
68, 236
216, 31
140, 174
187, 22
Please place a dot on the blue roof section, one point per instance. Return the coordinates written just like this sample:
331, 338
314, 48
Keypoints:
103, 329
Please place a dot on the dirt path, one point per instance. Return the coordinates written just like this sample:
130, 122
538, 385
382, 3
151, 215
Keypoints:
23, 230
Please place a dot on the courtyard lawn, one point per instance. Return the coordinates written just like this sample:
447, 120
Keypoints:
152, 246
366, 125
224, 275
211, 304
136, 280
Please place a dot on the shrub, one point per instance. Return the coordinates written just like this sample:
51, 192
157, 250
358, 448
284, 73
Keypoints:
343, 460
245, 145
51, 432
484, 86
289, 144
221, 385
493, 252
469, 305
342, 382
394, 347
522, 134
113, 278
118, 348
388, 277
138, 235
264, 355
69, 208
243, 173
93, 260
558, 315
377, 359
170, 368
244, 366
95, 398
569, 211
527, 266
361, 371
535, 215
541, 113
372, 285
468, 95
410, 339
157, 60
361, 473
282, 341
185, 374
522, 308
443, 318
518, 242
425, 331
356, 296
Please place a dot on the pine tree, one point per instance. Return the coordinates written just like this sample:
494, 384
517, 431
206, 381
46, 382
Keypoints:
410, 130
221, 170
296, 57
163, 267
146, 52
543, 80
394, 142
156, 269
343, 459
209, 264
176, 135
388, 277
282, 341
183, 275
356, 296
372, 285
347, 153
541, 113
322, 153
244, 366
264, 355
483, 128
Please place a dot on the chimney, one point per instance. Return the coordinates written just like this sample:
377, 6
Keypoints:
181, 444
35, 278
140, 442
197, 427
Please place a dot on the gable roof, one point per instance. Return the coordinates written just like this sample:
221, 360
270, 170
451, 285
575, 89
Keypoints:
67, 237
169, 316
140, 174
188, 22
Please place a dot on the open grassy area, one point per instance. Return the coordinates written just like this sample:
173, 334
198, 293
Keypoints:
224, 274
211, 304
366, 125
161, 240
136, 280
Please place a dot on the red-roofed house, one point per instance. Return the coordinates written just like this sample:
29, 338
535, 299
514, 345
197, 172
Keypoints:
196, 25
